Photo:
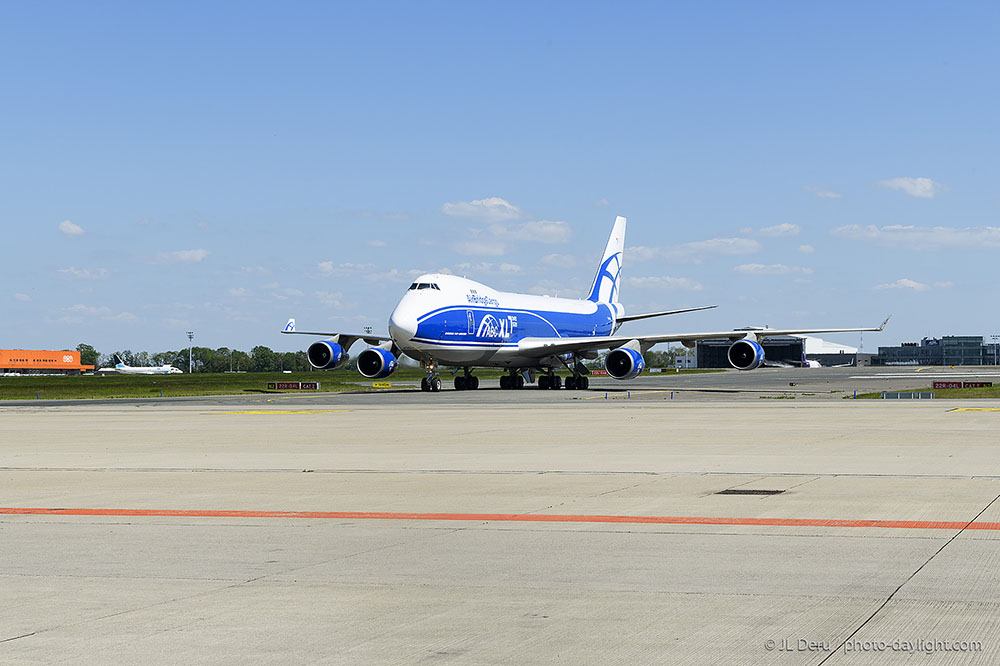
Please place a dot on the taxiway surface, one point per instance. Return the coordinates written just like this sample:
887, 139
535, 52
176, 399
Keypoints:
372, 530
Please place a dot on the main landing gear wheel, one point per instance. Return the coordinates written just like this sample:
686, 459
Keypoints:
570, 383
466, 382
544, 382
510, 382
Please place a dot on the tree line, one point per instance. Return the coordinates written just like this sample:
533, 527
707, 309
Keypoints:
264, 359
203, 359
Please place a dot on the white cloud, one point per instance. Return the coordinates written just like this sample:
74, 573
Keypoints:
602, 202
694, 252
239, 292
479, 248
70, 229
786, 229
822, 192
80, 313
922, 188
771, 269
329, 299
490, 209
680, 283
904, 283
83, 273
181, 257
922, 238
23, 298
558, 260
542, 231
806, 249
329, 268
377, 243
487, 267
80, 308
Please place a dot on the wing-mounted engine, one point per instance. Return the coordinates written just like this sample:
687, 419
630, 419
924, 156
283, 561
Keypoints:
624, 363
746, 354
376, 363
327, 355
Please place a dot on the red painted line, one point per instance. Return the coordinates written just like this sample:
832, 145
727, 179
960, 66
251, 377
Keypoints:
508, 517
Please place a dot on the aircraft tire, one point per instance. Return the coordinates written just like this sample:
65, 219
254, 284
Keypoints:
504, 382
435, 384
473, 382
570, 383
424, 385
583, 383
543, 382
556, 382
460, 383
518, 382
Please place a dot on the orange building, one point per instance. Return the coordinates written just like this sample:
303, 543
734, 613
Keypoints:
36, 362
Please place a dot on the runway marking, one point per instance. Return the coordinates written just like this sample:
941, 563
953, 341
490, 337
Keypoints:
975, 409
288, 411
508, 517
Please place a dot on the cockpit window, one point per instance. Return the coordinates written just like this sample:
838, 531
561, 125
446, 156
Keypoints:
424, 285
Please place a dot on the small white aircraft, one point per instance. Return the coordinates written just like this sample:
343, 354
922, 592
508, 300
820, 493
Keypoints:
449, 321
122, 369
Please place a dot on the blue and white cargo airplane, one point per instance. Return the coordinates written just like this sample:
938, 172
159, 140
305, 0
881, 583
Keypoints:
450, 321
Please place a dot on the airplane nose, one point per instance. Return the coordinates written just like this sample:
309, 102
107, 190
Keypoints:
402, 324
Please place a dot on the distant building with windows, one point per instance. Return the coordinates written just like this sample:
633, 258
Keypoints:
946, 350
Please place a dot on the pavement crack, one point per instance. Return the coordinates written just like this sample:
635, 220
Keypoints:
14, 638
908, 579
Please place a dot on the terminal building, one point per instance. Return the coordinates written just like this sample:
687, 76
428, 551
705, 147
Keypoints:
946, 350
38, 362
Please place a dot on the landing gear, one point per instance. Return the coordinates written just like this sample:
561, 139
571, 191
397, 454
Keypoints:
466, 382
431, 382
580, 382
512, 381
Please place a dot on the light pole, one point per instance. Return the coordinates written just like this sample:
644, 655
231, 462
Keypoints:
190, 335
230, 360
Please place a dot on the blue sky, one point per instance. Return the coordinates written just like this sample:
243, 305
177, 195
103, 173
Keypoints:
219, 167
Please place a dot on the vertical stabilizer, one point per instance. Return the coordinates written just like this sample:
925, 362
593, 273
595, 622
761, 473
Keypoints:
608, 279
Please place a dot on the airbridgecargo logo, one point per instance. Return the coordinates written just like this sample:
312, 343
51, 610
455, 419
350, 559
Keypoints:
489, 302
491, 327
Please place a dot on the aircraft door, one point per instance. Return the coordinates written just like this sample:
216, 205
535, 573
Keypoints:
472, 322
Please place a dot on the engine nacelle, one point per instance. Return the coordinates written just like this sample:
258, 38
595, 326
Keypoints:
326, 355
746, 355
376, 363
624, 363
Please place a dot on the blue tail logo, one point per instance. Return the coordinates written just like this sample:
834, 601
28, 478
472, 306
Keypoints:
606, 283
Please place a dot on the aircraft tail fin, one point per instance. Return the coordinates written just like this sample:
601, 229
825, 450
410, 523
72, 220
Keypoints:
290, 326
608, 279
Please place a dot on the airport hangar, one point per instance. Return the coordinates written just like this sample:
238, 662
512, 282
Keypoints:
41, 362
948, 350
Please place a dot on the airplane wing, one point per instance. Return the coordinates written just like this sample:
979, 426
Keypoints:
541, 347
345, 340
662, 313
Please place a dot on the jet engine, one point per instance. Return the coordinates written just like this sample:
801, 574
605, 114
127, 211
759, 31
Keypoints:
375, 363
746, 355
624, 363
326, 355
